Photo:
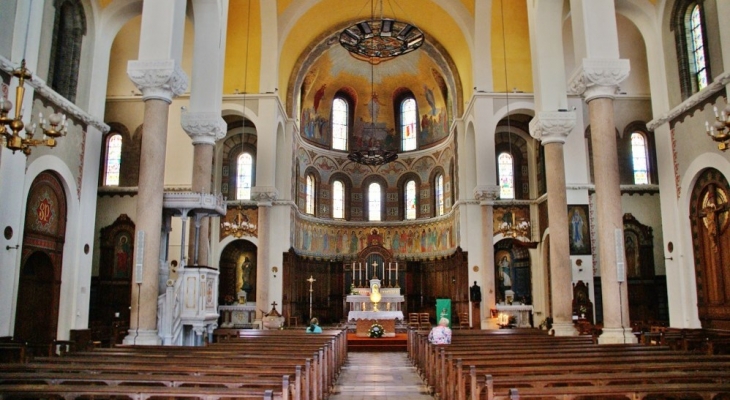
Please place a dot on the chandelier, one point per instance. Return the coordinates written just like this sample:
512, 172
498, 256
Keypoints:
719, 131
239, 226
54, 127
372, 156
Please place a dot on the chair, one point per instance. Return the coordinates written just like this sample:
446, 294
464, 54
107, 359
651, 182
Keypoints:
464, 320
424, 321
292, 318
413, 320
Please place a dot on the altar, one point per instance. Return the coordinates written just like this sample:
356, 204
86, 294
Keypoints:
521, 313
239, 316
374, 304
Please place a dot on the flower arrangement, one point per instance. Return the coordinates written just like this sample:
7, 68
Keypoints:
228, 299
376, 330
353, 290
583, 309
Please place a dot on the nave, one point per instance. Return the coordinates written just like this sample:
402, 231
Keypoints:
379, 375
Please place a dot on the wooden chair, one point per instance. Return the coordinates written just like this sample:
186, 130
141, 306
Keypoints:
424, 321
464, 320
413, 320
292, 318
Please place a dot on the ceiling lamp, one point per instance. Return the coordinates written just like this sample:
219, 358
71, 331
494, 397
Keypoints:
379, 39
372, 156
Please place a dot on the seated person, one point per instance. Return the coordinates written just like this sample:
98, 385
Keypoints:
314, 326
440, 334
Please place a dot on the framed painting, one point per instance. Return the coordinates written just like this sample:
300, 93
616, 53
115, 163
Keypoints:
579, 231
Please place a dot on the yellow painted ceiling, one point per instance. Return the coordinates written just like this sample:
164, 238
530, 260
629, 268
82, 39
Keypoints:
243, 47
327, 15
516, 36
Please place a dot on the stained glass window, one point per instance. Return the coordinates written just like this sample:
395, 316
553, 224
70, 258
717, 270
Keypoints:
638, 152
697, 48
506, 176
244, 176
410, 197
408, 123
309, 195
339, 124
338, 200
374, 202
113, 160
439, 189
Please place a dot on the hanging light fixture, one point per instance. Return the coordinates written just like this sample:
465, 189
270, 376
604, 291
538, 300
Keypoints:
377, 40
719, 130
10, 127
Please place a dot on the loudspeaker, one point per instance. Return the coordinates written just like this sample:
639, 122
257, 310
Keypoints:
139, 261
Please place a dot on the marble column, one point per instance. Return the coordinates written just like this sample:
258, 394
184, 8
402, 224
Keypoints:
598, 82
264, 196
204, 128
159, 81
486, 195
552, 129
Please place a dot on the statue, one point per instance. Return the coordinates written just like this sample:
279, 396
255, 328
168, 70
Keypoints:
475, 293
243, 276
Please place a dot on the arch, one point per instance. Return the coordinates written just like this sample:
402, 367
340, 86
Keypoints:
313, 173
233, 275
347, 183
127, 174
651, 163
434, 203
512, 271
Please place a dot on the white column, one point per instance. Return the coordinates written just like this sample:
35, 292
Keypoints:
486, 195
269, 76
482, 53
159, 77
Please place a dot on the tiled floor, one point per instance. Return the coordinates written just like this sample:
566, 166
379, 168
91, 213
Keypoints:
379, 375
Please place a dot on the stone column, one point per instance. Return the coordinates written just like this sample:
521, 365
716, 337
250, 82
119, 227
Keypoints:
264, 196
486, 195
552, 128
204, 128
159, 81
598, 81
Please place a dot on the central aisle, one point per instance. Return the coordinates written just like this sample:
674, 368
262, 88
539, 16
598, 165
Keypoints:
382, 375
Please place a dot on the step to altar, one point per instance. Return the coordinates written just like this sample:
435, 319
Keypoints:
382, 344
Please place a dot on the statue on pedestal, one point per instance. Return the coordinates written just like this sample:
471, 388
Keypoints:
475, 293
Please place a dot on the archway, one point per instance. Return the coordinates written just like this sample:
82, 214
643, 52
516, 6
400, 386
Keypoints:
512, 271
237, 271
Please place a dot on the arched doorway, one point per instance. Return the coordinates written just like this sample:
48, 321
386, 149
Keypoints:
710, 217
33, 321
39, 287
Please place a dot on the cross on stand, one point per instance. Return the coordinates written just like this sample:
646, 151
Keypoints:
311, 280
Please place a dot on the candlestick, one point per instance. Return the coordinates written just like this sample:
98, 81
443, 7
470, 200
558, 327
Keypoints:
366, 271
396, 274
359, 274
383, 270
390, 273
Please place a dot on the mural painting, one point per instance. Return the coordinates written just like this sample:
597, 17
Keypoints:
505, 218
578, 230
317, 239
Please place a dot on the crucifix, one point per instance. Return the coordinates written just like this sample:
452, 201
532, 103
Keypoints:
311, 280
375, 270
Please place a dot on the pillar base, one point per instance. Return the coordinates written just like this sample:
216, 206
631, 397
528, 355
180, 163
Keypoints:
564, 329
490, 323
142, 337
617, 335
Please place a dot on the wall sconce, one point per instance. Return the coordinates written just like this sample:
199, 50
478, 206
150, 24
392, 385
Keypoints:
719, 131
274, 270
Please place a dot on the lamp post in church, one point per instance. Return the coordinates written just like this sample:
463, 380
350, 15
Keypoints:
311, 281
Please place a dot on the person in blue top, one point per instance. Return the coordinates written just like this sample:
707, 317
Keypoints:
314, 326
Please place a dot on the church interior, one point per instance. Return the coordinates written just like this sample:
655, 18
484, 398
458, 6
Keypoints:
504, 163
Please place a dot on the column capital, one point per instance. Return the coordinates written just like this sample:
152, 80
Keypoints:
552, 126
486, 194
264, 195
204, 127
598, 78
158, 79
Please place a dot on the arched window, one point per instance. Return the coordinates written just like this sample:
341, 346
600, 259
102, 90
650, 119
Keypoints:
338, 200
113, 160
374, 205
439, 194
639, 156
408, 123
340, 118
698, 63
693, 55
244, 176
506, 176
309, 195
410, 200
69, 29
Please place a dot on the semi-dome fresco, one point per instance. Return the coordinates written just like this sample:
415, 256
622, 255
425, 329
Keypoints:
374, 95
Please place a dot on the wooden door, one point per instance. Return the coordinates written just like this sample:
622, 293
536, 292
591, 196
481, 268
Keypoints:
35, 320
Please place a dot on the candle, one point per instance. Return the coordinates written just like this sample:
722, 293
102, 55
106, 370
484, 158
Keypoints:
714, 109
389, 273
396, 272
383, 276
359, 273
366, 271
